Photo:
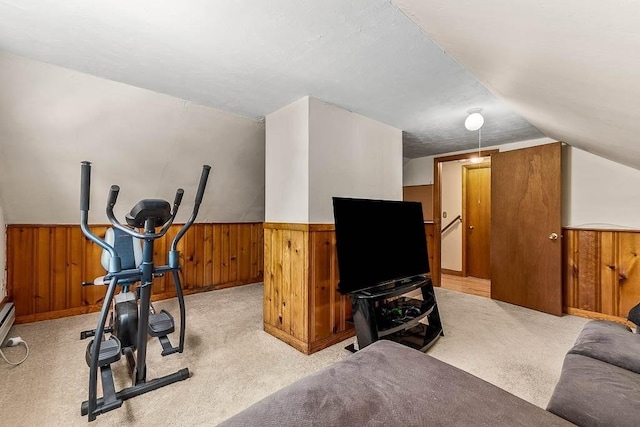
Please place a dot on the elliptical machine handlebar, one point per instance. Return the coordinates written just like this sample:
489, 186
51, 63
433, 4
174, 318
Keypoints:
201, 186
85, 193
178, 199
113, 195
173, 253
85, 186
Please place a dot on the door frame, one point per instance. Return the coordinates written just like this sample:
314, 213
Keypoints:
465, 168
437, 206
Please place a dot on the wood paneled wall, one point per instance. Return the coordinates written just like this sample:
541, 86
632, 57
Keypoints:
46, 265
302, 306
429, 232
601, 272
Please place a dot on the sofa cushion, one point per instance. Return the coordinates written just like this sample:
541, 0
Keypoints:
390, 384
594, 393
609, 342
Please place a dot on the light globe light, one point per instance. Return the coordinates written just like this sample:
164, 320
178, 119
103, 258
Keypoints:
474, 120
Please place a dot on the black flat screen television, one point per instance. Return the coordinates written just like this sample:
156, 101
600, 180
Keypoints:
378, 241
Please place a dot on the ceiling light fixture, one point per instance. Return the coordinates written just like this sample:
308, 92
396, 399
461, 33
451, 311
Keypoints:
473, 122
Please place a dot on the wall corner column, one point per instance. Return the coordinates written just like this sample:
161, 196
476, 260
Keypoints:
315, 151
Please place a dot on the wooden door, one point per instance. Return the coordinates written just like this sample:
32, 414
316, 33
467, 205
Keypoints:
525, 228
477, 220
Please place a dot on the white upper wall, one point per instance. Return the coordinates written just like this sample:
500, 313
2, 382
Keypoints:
599, 193
150, 144
316, 150
350, 156
418, 171
287, 164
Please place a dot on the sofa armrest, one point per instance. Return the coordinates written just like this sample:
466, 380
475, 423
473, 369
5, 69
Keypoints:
390, 384
594, 393
609, 342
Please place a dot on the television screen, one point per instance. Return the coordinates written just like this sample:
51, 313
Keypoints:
378, 241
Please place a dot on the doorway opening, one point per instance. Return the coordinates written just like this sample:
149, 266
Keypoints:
462, 218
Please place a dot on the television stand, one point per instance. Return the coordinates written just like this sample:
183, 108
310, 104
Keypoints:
384, 312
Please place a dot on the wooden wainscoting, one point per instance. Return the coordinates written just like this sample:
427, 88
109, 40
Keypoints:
601, 272
428, 230
302, 305
46, 265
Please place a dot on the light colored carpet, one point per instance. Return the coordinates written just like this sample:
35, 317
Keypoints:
518, 349
235, 363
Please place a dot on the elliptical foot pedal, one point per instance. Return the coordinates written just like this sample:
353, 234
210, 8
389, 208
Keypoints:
109, 352
161, 324
167, 348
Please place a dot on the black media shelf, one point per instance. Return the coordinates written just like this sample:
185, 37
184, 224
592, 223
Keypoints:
386, 313
391, 320
420, 337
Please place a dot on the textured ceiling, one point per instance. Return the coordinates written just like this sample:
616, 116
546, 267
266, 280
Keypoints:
254, 57
571, 68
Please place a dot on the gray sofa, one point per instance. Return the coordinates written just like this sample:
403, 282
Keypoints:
393, 385
600, 380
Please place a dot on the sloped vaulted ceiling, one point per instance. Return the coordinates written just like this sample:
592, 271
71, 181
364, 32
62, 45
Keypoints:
252, 57
571, 68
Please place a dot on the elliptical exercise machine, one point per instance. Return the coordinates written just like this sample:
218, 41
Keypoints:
132, 316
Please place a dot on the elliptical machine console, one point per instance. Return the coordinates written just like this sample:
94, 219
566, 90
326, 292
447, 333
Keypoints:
132, 315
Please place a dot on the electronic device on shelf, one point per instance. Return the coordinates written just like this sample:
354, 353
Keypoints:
378, 243
399, 313
382, 255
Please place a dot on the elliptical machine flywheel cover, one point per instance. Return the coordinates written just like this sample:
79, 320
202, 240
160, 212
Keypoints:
125, 325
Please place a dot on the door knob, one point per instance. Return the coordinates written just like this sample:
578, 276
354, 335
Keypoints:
471, 227
553, 236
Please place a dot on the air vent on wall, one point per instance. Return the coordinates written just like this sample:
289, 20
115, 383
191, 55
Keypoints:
7, 317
